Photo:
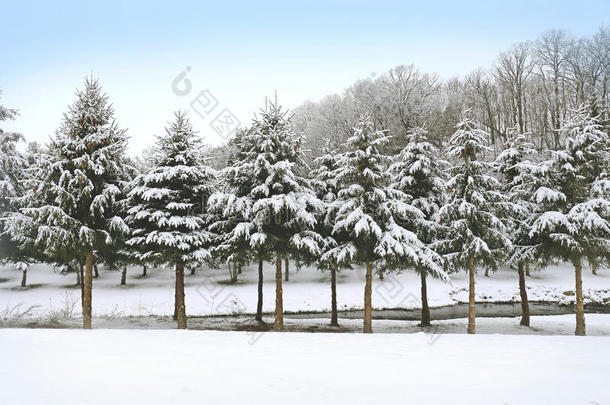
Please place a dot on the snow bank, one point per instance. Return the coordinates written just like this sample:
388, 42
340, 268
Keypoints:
161, 367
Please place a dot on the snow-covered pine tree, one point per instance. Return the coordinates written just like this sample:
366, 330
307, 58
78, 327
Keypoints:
24, 228
365, 228
600, 190
142, 164
601, 185
12, 172
519, 175
476, 236
282, 205
166, 216
7, 113
230, 211
119, 255
571, 221
72, 209
418, 173
324, 183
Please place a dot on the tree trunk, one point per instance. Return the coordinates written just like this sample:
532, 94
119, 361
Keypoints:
486, 271
124, 276
96, 273
594, 269
557, 114
368, 308
232, 272
287, 271
180, 305
144, 271
580, 309
259, 303
175, 317
425, 310
79, 272
278, 324
525, 306
527, 269
193, 271
239, 268
87, 293
471, 306
334, 321
24, 278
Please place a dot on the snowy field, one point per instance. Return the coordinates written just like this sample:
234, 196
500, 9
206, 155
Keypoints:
188, 367
209, 292
52, 300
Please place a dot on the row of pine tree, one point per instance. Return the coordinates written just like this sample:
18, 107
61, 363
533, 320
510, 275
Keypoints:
80, 201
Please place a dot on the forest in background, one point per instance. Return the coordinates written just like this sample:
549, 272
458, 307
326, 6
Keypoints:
531, 87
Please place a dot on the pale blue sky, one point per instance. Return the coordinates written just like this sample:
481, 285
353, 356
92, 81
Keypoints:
243, 51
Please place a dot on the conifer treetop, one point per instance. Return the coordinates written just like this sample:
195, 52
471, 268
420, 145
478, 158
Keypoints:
72, 205
418, 173
281, 216
572, 216
520, 177
12, 171
468, 140
7, 113
167, 203
366, 223
326, 187
12, 165
11, 160
586, 143
475, 231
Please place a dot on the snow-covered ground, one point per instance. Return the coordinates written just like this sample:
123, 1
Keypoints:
160, 367
597, 325
209, 292
399, 364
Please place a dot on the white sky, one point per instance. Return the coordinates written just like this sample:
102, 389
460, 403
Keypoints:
244, 52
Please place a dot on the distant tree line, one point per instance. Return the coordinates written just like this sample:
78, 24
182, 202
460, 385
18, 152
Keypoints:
531, 86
